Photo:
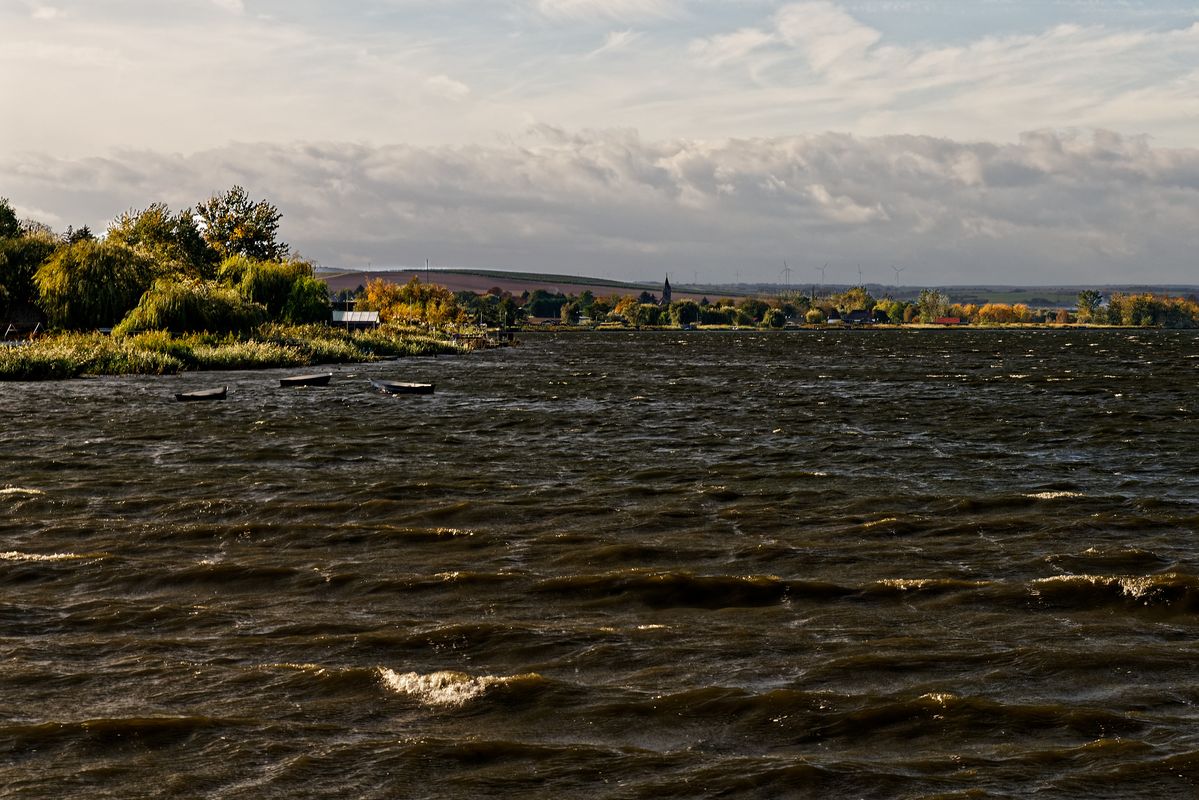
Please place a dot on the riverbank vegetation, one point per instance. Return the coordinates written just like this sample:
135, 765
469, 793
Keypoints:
71, 355
161, 292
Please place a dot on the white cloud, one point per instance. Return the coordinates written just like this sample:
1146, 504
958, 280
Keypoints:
1049, 207
447, 87
620, 10
615, 40
45, 12
721, 49
825, 33
236, 6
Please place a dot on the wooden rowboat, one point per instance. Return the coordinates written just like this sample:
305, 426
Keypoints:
317, 379
203, 394
396, 387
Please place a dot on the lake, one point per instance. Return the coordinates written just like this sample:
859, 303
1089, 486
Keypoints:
617, 565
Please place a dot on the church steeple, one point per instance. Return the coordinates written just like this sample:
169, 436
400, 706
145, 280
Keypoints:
666, 292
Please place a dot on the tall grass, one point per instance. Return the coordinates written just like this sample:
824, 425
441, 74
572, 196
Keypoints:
71, 355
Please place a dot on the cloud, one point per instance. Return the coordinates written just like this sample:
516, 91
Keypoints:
45, 12
615, 40
447, 87
824, 33
236, 6
1049, 207
619, 10
191, 78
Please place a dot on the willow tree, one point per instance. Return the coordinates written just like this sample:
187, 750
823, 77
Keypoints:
91, 284
21, 255
287, 289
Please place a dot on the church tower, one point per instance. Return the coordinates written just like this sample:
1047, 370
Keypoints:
666, 292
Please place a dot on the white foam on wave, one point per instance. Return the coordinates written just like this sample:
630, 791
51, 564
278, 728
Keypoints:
1136, 587
1054, 495
13, 555
17, 491
445, 689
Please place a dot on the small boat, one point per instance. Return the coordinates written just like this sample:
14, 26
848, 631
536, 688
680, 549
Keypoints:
396, 387
203, 394
316, 379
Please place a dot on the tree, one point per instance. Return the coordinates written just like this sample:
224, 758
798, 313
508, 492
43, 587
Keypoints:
82, 234
569, 313
814, 316
598, 310
191, 305
233, 225
307, 302
684, 312
174, 241
10, 226
774, 318
269, 283
853, 299
92, 284
543, 304
20, 259
1088, 301
414, 302
932, 304
753, 310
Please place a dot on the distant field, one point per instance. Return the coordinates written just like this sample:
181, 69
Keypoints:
480, 281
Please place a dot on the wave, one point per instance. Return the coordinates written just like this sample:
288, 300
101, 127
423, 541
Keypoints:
113, 731
14, 555
449, 689
1174, 591
677, 589
17, 491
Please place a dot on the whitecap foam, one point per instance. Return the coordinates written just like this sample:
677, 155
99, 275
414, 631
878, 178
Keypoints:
445, 689
13, 555
1054, 495
17, 491
940, 698
1136, 587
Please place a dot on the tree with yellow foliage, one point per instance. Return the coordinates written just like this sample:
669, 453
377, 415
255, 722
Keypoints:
414, 303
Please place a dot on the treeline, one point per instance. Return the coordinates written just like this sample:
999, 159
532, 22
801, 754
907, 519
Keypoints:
218, 267
435, 306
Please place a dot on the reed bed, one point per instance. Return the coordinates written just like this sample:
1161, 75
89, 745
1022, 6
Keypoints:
71, 355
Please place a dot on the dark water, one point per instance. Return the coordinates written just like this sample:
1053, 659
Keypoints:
936, 564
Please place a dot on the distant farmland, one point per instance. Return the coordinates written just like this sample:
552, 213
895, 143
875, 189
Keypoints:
480, 281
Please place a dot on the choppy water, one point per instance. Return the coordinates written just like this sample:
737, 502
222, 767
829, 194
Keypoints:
935, 564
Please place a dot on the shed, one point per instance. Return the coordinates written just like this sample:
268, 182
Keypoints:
356, 320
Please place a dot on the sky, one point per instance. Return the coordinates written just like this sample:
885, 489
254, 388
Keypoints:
978, 142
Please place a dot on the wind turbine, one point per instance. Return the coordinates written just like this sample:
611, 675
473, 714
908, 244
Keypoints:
897, 271
786, 273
